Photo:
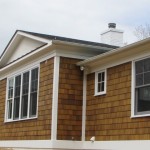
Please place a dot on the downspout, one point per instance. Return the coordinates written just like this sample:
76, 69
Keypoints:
82, 68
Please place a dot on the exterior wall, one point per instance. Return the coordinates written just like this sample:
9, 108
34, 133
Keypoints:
34, 129
109, 116
70, 100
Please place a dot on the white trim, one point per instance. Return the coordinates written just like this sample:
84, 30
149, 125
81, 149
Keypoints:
78, 145
96, 82
28, 65
33, 37
132, 89
84, 105
69, 55
55, 98
38, 60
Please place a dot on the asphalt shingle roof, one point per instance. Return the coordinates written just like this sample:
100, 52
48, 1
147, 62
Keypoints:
53, 37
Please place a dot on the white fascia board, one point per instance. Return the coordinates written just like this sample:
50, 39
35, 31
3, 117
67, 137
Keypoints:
12, 72
9, 45
33, 37
81, 45
112, 52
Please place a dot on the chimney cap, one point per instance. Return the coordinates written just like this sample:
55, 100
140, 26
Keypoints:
112, 25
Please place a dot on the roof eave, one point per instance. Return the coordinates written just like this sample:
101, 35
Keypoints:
112, 52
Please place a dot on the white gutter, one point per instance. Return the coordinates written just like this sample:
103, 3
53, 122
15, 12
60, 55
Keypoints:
112, 52
81, 45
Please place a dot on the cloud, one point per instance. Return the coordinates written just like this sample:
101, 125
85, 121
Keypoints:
82, 19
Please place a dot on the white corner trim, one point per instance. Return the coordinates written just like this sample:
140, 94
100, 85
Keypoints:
132, 88
84, 105
55, 98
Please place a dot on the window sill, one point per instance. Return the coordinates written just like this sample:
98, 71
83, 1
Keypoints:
7, 121
138, 116
98, 94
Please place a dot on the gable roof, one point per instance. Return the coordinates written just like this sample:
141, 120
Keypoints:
47, 40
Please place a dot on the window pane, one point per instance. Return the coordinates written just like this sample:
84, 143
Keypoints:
11, 82
147, 78
17, 97
102, 86
25, 93
16, 108
10, 88
33, 104
99, 77
34, 75
99, 87
33, 95
17, 86
10, 93
34, 80
24, 106
147, 65
103, 76
139, 66
143, 99
139, 79
25, 83
9, 106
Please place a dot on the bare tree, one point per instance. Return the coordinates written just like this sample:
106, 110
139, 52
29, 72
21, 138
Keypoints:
142, 31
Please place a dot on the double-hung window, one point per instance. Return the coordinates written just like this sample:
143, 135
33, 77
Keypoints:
100, 82
142, 87
22, 91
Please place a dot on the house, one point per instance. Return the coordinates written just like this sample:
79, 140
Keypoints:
62, 93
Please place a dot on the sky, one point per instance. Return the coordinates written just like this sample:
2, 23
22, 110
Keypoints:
79, 19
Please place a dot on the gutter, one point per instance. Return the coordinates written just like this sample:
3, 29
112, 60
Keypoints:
112, 52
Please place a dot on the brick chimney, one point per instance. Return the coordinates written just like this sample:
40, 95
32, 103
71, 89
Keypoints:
112, 36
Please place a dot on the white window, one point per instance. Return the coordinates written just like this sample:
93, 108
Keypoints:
142, 87
22, 93
100, 82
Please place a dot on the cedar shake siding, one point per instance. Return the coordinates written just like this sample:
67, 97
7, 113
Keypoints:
34, 129
70, 100
108, 117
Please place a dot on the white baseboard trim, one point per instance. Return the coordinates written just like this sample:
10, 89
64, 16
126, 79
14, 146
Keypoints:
78, 145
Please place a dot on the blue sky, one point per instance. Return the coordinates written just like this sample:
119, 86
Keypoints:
80, 19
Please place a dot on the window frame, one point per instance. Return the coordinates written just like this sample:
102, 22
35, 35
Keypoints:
96, 82
13, 76
134, 113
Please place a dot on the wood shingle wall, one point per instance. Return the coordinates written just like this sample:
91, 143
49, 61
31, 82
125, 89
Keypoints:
109, 115
70, 100
34, 129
